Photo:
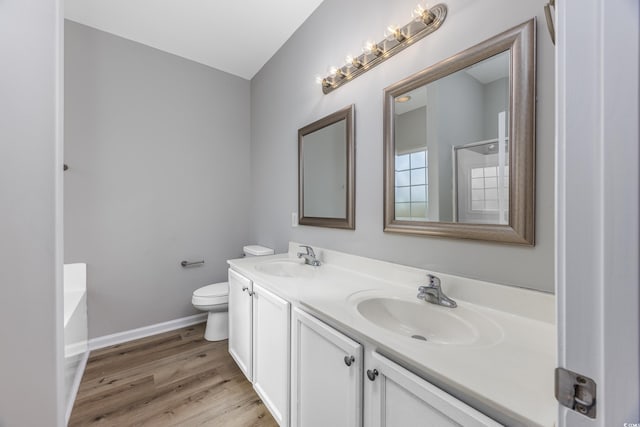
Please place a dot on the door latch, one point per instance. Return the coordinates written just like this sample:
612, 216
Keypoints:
576, 392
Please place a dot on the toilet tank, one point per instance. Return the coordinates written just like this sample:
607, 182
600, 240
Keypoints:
256, 250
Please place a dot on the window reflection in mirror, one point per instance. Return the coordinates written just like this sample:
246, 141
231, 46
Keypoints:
451, 146
482, 183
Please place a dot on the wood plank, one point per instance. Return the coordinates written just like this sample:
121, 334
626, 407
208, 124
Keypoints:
177, 408
174, 378
163, 368
130, 356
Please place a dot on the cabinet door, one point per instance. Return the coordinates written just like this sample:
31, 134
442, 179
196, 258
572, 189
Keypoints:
240, 322
399, 398
271, 351
326, 383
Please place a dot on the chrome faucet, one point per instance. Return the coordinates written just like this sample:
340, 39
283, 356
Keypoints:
433, 293
309, 256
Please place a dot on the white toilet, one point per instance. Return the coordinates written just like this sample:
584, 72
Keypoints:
215, 298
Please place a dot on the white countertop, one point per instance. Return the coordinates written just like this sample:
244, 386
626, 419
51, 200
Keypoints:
513, 376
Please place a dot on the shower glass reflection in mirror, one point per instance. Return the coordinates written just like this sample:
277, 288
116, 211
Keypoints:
452, 144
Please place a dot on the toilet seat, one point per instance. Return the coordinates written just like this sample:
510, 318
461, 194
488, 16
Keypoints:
217, 293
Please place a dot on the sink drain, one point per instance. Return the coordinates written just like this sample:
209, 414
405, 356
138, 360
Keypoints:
418, 337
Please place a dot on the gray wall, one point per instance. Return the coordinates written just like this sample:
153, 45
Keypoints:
31, 385
411, 131
158, 150
285, 97
496, 96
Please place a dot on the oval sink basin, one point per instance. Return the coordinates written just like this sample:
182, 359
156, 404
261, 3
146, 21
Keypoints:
426, 322
285, 269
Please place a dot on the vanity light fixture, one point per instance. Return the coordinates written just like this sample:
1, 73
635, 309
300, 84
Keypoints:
424, 21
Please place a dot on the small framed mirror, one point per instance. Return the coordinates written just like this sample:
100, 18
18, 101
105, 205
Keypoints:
459, 142
326, 171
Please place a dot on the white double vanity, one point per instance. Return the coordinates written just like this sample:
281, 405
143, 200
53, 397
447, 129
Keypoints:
348, 343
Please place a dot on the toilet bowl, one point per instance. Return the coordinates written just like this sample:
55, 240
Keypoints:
214, 299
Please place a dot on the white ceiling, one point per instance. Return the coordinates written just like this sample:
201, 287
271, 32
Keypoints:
418, 99
238, 37
487, 71
491, 69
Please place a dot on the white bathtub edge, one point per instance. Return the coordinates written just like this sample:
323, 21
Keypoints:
77, 379
72, 299
145, 331
75, 277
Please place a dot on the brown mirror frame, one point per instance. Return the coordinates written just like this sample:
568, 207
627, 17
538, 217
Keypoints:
349, 221
520, 41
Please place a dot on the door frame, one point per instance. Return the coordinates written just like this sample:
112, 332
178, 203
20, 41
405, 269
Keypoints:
597, 187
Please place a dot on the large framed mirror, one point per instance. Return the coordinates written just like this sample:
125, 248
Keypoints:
326, 171
459, 144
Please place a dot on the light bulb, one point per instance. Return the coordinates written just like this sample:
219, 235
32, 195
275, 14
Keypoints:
352, 62
422, 13
370, 47
319, 80
390, 31
417, 12
393, 32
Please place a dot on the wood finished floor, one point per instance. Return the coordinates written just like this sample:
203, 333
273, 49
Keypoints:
171, 379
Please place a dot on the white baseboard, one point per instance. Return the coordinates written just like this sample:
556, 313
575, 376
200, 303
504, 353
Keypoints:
146, 331
77, 379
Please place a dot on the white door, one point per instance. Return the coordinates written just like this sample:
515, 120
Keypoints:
326, 379
271, 352
240, 322
597, 204
399, 398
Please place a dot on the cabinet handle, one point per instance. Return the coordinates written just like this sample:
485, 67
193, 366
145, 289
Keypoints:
244, 288
251, 293
348, 360
372, 374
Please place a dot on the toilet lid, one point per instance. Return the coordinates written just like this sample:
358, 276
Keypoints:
215, 290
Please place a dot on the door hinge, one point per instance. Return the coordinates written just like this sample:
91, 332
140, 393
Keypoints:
576, 392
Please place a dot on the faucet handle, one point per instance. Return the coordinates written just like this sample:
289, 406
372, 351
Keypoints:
434, 281
309, 250
433, 293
